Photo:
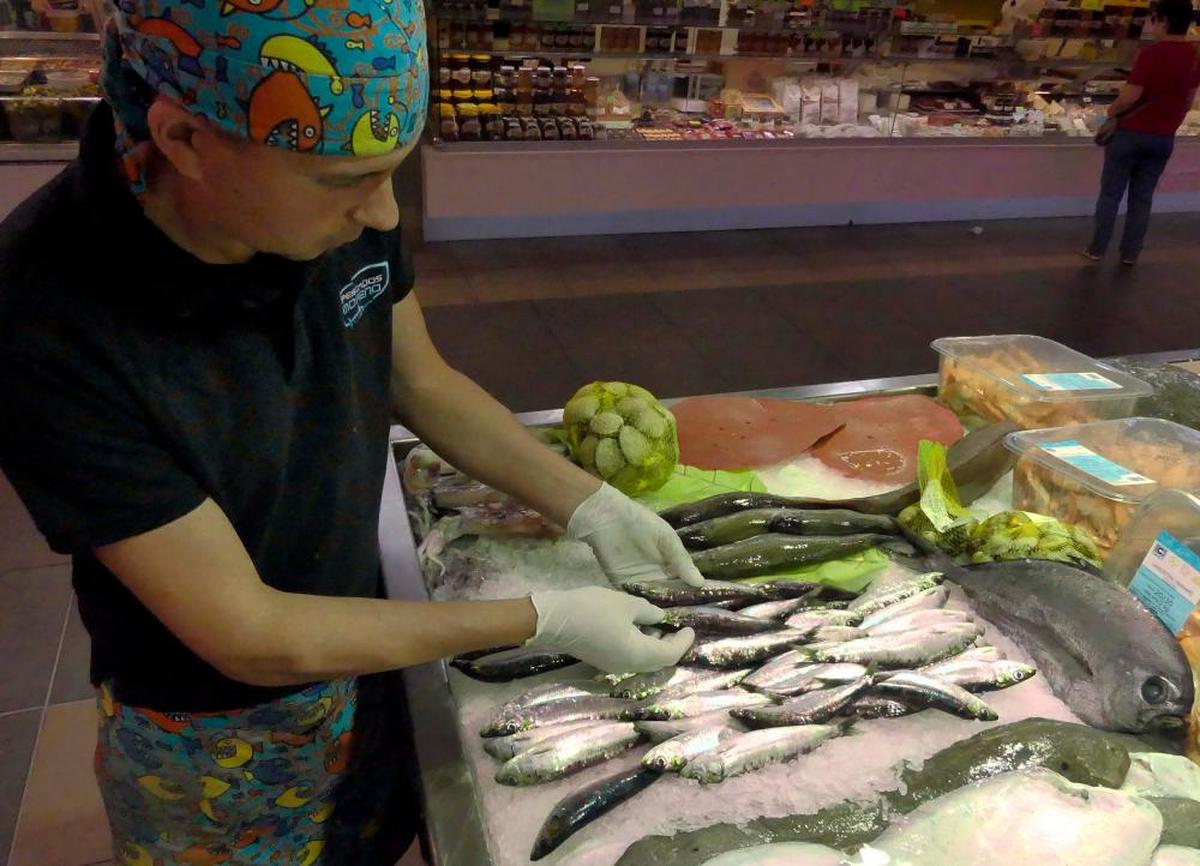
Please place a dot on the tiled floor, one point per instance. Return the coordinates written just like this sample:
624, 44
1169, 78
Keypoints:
681, 314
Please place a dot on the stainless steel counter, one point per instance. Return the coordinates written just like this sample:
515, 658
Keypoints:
452, 815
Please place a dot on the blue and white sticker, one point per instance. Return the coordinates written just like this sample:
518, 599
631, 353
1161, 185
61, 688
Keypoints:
1168, 581
1071, 382
1076, 454
364, 287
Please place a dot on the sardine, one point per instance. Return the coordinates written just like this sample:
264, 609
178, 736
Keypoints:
905, 650
979, 676
757, 749
660, 732
587, 804
924, 690
641, 686
779, 589
503, 748
676, 593
930, 599
544, 694
782, 609
789, 521
596, 707
876, 707
780, 667
675, 753
565, 754
810, 678
740, 652
765, 554
807, 709
698, 704
835, 633
813, 619
513, 664
869, 604
1099, 649
918, 619
975, 652
709, 681
714, 620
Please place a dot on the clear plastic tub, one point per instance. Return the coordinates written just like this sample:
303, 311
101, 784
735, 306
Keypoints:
1031, 381
1158, 558
1096, 475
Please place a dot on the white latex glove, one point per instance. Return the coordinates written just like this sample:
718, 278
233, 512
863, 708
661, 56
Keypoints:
630, 541
600, 627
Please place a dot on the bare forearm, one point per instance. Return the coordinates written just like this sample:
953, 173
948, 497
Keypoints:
325, 638
467, 426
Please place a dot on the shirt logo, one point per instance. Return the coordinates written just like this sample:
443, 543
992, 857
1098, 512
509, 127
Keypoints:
364, 287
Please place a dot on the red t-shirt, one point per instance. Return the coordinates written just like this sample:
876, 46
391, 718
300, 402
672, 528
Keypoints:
1170, 74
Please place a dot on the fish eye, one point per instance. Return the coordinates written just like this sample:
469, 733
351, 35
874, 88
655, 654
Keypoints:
1154, 690
310, 132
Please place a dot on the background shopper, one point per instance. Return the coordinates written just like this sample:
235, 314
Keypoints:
1150, 108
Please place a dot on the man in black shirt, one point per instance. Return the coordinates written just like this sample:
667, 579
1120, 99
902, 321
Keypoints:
197, 380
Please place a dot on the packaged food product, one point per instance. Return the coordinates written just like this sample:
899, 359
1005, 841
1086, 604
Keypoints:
1096, 475
492, 122
448, 122
1031, 381
34, 119
470, 127
1158, 558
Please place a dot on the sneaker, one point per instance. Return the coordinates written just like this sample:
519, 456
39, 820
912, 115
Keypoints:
1090, 256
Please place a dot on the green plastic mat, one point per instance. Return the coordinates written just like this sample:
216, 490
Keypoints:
852, 573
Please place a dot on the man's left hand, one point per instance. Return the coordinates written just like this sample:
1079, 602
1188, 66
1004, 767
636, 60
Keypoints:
630, 541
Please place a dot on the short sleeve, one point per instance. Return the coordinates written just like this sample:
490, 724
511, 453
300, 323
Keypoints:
1143, 67
87, 465
403, 276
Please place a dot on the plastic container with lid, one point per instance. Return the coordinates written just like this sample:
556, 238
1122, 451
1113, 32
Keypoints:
1096, 475
1175, 512
1031, 381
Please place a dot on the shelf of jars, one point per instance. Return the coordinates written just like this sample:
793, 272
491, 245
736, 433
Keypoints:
47, 89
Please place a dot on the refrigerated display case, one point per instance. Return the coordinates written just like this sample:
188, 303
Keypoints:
620, 115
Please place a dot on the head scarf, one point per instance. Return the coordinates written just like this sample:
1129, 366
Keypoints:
338, 77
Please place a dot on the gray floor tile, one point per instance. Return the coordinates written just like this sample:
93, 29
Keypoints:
21, 545
71, 682
18, 733
33, 605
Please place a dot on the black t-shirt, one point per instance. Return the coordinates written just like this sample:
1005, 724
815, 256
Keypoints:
138, 381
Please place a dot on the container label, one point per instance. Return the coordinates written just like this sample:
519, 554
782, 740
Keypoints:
1071, 382
1168, 581
1085, 459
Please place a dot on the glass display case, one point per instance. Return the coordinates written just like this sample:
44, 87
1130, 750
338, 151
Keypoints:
679, 70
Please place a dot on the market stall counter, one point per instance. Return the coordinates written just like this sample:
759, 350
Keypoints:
875, 755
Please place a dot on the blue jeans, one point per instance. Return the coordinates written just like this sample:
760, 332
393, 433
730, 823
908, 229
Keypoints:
1135, 160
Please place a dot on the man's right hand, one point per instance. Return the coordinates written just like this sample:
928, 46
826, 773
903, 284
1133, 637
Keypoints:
600, 627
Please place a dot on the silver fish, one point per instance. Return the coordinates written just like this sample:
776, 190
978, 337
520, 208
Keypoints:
507, 718
715, 620
675, 753
757, 749
810, 678
975, 652
783, 608
979, 676
807, 709
596, 707
641, 686
565, 754
875, 707
867, 604
503, 748
919, 619
838, 633
699, 704
780, 667
904, 650
924, 690
675, 593
660, 732
709, 681
814, 619
933, 598
740, 652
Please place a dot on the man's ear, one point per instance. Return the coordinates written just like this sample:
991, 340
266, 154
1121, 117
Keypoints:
174, 131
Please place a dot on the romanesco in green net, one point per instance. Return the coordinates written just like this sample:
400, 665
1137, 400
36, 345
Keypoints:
622, 434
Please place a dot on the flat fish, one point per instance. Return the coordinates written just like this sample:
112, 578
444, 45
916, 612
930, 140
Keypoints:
780, 854
1027, 818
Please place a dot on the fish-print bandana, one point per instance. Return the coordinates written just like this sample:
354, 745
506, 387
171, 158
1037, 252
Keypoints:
336, 77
